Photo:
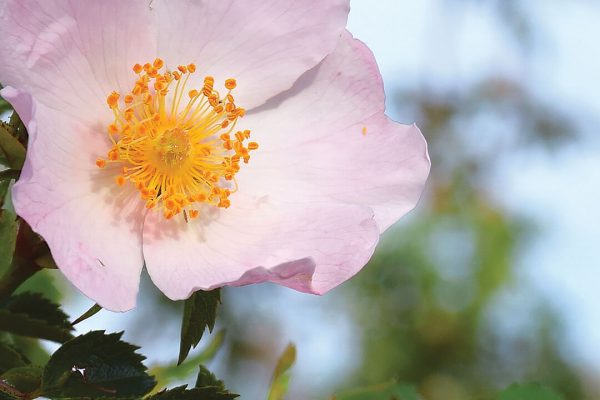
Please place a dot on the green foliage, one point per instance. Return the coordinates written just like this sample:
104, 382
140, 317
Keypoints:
164, 374
180, 393
30, 314
208, 387
26, 379
37, 307
10, 358
281, 375
93, 310
8, 238
96, 365
199, 313
386, 391
208, 379
4, 106
529, 392
12, 152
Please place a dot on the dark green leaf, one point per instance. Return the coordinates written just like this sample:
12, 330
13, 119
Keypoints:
36, 306
208, 379
18, 128
528, 392
9, 174
25, 379
96, 365
199, 313
45, 260
4, 185
30, 314
89, 313
8, 237
386, 391
4, 106
10, 358
281, 375
165, 374
11, 150
180, 393
22, 324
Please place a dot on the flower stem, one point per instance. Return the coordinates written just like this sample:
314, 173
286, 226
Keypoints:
18, 273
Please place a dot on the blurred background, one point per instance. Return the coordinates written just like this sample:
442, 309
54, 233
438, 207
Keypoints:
493, 278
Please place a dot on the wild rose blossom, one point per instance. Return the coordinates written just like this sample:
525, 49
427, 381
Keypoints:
215, 142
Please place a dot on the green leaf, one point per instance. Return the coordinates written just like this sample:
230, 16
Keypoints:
36, 306
386, 391
281, 375
30, 314
528, 392
89, 313
25, 379
10, 358
180, 393
9, 174
8, 237
208, 387
96, 365
11, 150
4, 106
4, 185
199, 313
208, 379
21, 324
166, 374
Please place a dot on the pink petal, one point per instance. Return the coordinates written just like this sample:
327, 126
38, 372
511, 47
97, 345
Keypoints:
328, 140
71, 54
265, 44
91, 226
308, 248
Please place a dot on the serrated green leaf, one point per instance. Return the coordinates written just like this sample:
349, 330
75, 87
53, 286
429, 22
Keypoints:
12, 151
96, 365
199, 313
21, 324
386, 391
281, 375
10, 358
26, 379
8, 237
166, 374
31, 315
180, 393
208, 379
529, 392
36, 306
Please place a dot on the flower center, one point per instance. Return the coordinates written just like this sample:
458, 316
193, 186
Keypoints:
172, 148
176, 146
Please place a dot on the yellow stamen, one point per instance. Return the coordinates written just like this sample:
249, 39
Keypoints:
179, 152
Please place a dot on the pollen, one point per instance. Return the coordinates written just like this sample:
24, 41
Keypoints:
179, 146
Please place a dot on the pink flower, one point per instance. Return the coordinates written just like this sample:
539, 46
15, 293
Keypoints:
156, 174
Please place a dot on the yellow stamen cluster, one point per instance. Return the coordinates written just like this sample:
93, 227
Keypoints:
178, 147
